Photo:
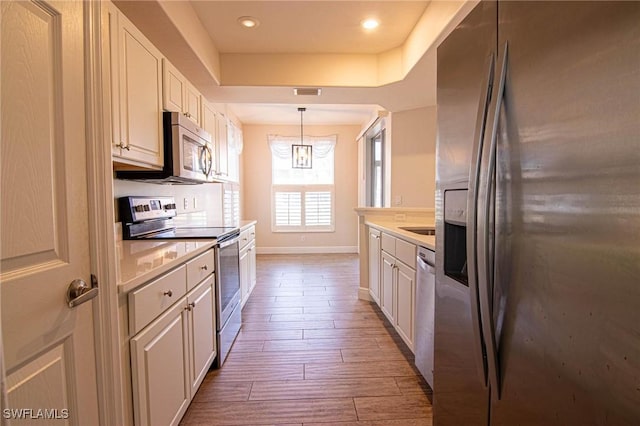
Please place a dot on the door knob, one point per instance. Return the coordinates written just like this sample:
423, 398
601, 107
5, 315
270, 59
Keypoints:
80, 292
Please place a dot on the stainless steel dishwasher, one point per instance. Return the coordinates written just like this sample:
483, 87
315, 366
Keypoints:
425, 304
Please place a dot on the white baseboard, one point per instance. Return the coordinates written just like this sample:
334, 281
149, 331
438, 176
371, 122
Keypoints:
307, 250
363, 294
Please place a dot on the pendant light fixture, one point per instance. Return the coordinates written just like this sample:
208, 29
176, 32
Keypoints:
301, 154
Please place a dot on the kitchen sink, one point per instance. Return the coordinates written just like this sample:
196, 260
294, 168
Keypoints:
419, 230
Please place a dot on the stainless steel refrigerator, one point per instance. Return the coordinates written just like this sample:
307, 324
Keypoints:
537, 315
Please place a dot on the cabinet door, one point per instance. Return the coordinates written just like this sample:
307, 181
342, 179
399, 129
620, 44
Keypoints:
200, 305
222, 145
110, 28
173, 89
159, 369
252, 266
140, 83
244, 275
388, 284
209, 125
405, 303
192, 104
374, 265
233, 145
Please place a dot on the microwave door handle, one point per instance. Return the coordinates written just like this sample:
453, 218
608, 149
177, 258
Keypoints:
204, 156
472, 217
209, 160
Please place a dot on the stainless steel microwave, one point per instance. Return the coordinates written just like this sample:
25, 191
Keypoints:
188, 154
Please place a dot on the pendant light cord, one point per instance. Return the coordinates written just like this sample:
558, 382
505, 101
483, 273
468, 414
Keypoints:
302, 110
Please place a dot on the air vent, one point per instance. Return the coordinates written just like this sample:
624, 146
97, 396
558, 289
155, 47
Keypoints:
307, 91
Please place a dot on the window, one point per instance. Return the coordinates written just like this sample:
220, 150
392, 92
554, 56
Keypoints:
375, 161
302, 199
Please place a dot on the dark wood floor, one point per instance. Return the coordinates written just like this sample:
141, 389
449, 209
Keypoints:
311, 353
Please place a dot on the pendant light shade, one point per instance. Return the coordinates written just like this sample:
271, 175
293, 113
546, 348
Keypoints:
301, 154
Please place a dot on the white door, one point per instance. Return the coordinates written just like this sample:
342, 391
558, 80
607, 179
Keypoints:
48, 347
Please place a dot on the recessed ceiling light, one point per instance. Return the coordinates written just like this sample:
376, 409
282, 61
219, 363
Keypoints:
248, 21
370, 24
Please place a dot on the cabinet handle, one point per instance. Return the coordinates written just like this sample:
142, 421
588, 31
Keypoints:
121, 145
168, 293
204, 267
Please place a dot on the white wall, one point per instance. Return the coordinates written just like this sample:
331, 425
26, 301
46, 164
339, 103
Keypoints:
256, 198
413, 158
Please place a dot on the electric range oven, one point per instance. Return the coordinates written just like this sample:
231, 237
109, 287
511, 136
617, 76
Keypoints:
152, 218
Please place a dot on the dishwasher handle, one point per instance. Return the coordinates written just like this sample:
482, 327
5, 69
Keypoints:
425, 264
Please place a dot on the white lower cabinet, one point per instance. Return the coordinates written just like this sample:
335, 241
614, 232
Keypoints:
405, 303
202, 332
247, 263
252, 266
374, 264
397, 281
244, 275
388, 284
171, 355
159, 370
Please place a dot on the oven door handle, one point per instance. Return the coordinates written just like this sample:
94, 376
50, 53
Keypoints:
228, 242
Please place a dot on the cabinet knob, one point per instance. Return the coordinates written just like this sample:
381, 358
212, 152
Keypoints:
204, 267
123, 146
190, 306
168, 293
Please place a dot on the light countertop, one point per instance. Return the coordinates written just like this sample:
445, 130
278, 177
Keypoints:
244, 224
393, 228
142, 260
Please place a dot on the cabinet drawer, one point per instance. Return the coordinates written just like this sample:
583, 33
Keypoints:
199, 268
154, 298
389, 244
247, 236
406, 252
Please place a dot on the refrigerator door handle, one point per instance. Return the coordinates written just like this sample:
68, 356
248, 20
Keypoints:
472, 221
486, 252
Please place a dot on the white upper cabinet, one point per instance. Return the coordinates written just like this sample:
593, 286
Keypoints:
234, 139
179, 95
193, 99
135, 93
222, 146
209, 123
174, 88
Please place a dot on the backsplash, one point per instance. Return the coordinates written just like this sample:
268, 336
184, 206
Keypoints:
201, 204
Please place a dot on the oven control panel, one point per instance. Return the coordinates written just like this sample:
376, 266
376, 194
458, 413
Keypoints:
138, 209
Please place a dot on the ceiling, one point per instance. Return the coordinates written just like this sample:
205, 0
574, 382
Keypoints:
308, 26
303, 43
